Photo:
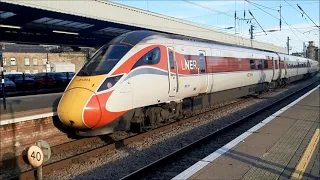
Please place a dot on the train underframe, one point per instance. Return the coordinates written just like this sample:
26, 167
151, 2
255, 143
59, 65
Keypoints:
147, 118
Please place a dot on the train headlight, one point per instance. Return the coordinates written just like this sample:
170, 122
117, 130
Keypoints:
109, 83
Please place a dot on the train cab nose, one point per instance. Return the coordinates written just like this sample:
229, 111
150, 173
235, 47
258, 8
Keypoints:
79, 108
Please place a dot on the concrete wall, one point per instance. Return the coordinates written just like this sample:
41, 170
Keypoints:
74, 57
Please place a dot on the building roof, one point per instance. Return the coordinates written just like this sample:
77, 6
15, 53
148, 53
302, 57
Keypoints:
18, 48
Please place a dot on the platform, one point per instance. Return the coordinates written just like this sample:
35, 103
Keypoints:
284, 146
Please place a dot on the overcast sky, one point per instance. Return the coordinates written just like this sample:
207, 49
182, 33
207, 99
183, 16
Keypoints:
220, 14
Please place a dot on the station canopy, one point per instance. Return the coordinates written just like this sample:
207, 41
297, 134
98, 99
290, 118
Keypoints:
92, 23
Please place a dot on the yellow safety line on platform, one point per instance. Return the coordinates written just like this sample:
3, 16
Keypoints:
304, 161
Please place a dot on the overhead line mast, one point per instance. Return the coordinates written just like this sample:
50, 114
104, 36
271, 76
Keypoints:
280, 23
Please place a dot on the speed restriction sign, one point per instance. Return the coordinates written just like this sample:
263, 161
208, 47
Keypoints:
35, 156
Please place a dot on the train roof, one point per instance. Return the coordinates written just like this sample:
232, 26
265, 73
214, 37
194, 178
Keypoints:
140, 36
134, 37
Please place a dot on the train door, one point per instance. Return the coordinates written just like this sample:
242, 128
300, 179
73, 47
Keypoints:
285, 67
297, 66
172, 72
308, 66
277, 65
202, 72
274, 74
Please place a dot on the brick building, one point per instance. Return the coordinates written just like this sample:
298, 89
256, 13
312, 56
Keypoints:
34, 59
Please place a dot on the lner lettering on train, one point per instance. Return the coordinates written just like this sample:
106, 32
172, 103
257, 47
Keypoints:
189, 64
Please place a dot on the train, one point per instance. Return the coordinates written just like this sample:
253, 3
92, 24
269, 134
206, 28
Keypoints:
142, 79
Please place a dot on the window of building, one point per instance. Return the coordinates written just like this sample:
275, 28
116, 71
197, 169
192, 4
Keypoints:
202, 63
252, 64
12, 61
171, 60
152, 57
4, 61
35, 61
265, 64
35, 71
27, 71
26, 61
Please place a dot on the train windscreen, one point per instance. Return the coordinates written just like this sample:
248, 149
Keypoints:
104, 60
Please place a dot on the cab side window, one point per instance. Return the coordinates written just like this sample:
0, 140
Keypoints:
152, 57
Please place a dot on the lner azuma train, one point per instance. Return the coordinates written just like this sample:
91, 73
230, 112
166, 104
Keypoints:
143, 78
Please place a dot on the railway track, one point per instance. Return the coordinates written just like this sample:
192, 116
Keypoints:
103, 144
91, 152
161, 167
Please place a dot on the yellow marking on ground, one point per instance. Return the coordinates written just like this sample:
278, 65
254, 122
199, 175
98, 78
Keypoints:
304, 161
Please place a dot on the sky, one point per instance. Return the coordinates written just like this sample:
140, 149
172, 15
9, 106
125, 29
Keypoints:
220, 14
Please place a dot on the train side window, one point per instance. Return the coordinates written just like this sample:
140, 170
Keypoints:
171, 60
259, 64
265, 64
252, 64
202, 63
275, 62
152, 57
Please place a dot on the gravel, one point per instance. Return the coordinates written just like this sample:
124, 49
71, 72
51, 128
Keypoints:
120, 162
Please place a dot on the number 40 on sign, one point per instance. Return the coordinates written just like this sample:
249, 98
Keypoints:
35, 156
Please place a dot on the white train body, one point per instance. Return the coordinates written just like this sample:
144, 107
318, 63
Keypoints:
158, 69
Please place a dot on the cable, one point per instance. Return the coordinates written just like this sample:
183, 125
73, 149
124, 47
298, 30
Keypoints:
298, 12
291, 29
220, 12
264, 6
279, 19
295, 28
307, 16
262, 10
227, 12
257, 22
